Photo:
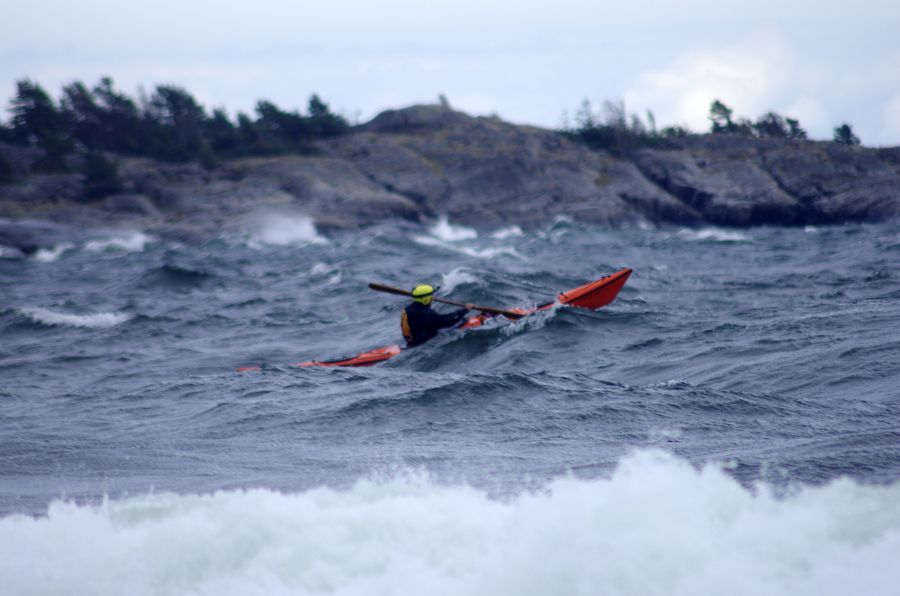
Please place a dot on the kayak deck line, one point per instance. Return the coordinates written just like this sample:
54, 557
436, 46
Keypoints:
592, 295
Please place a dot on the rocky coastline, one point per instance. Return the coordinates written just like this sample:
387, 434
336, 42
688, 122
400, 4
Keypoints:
426, 161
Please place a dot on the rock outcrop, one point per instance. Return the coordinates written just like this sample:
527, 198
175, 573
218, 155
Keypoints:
425, 161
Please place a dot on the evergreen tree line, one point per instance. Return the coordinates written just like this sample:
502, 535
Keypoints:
769, 125
169, 125
614, 130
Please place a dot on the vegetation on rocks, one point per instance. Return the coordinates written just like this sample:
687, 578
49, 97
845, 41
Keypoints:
164, 162
613, 129
168, 125
843, 135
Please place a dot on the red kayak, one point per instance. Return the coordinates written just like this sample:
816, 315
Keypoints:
593, 295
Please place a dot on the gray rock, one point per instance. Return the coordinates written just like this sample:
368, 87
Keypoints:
724, 191
424, 161
414, 118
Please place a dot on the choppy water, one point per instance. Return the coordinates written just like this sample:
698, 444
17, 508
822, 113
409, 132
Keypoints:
731, 424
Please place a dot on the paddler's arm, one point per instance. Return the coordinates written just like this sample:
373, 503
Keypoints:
451, 319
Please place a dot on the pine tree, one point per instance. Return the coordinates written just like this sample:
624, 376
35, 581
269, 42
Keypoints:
843, 135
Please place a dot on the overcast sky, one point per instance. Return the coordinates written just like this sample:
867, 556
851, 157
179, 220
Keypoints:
822, 61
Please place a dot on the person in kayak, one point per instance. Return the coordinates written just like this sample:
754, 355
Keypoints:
419, 322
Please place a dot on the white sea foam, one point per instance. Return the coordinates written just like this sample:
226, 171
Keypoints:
506, 233
531, 323
658, 526
323, 269
100, 320
478, 253
49, 255
283, 230
444, 230
132, 241
454, 279
714, 234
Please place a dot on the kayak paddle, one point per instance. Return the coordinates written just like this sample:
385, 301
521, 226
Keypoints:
509, 314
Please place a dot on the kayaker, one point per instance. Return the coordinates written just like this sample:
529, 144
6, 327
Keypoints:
420, 322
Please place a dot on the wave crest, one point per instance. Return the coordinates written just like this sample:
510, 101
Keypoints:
284, 230
50, 318
657, 526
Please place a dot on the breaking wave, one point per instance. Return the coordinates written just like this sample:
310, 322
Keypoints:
53, 253
478, 253
127, 242
505, 233
714, 235
444, 230
101, 320
283, 230
657, 526
454, 279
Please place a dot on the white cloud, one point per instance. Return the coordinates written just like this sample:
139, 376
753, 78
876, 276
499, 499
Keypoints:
811, 112
748, 75
822, 61
764, 71
892, 118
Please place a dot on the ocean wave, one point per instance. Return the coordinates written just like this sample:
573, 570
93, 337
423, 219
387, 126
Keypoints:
657, 526
447, 232
532, 322
324, 269
10, 252
53, 253
101, 320
714, 235
127, 242
506, 233
454, 279
478, 253
283, 230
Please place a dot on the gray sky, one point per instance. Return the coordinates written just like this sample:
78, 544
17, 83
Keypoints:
822, 61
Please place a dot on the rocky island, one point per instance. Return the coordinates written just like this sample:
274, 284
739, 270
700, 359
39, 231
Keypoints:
425, 161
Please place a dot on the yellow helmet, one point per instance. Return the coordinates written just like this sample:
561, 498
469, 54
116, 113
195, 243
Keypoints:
423, 293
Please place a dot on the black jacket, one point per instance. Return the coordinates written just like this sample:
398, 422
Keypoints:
420, 323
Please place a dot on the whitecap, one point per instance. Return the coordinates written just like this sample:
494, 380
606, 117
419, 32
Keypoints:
454, 279
657, 525
127, 242
444, 230
714, 234
283, 230
324, 269
100, 320
478, 253
506, 233
49, 255
321, 269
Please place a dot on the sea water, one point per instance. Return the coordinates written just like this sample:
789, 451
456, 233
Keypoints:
730, 424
